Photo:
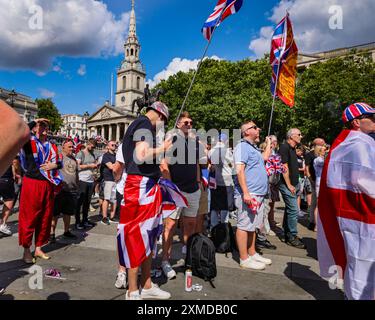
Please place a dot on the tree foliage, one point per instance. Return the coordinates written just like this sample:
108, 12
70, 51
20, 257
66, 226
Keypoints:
48, 110
226, 94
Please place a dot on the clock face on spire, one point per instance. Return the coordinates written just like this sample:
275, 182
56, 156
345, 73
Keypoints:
123, 99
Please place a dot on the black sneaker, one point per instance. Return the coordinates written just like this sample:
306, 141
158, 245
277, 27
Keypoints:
295, 242
69, 235
265, 244
89, 224
106, 221
52, 238
79, 226
113, 220
311, 226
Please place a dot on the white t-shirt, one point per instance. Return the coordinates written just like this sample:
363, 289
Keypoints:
120, 158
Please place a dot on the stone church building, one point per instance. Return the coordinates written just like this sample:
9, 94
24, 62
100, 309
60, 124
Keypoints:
111, 122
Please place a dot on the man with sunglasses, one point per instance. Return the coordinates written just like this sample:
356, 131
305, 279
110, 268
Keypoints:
109, 159
181, 166
289, 184
251, 187
346, 223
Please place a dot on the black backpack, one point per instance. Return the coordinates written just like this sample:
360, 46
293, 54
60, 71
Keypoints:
222, 236
200, 257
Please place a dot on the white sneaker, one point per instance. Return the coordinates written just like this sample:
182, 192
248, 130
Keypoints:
92, 209
259, 258
251, 263
132, 295
121, 280
5, 229
301, 214
154, 293
168, 270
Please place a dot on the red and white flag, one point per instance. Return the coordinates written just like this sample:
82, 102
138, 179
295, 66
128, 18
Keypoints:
346, 222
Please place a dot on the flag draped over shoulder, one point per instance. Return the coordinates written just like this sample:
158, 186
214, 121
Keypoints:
346, 221
223, 9
283, 58
42, 153
141, 217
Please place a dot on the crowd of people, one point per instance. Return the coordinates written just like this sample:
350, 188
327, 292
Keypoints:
248, 180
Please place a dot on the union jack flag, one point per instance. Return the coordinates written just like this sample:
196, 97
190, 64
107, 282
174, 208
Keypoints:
172, 197
141, 217
43, 153
223, 9
283, 58
274, 165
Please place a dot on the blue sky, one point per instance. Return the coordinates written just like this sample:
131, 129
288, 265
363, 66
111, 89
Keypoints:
43, 66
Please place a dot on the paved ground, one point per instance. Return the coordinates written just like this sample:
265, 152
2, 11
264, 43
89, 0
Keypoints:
88, 266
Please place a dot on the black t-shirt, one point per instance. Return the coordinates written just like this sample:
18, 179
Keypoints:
289, 156
184, 172
8, 174
140, 130
106, 172
309, 161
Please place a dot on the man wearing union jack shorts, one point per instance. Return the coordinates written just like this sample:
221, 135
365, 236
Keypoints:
40, 160
141, 210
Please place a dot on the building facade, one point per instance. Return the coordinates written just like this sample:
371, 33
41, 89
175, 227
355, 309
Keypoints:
305, 60
74, 124
111, 122
23, 104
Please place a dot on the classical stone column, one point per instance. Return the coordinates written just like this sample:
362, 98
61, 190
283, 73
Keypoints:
110, 133
118, 132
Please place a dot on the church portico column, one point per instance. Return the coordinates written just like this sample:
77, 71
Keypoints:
110, 133
117, 132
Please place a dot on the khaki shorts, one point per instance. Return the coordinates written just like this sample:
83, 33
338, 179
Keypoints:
191, 211
110, 191
246, 219
203, 202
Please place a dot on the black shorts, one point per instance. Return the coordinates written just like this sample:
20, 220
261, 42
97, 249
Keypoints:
7, 189
65, 203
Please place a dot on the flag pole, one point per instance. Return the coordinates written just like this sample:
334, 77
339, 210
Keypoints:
274, 98
198, 67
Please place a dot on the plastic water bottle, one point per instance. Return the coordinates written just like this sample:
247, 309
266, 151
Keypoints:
188, 280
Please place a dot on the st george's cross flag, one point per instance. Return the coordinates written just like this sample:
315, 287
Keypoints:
223, 9
283, 59
141, 217
346, 221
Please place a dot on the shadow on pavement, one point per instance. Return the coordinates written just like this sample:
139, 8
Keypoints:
10, 271
312, 283
58, 296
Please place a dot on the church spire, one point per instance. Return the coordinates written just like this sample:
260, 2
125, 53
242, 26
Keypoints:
132, 25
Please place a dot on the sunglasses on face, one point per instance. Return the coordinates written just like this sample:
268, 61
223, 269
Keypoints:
187, 123
367, 116
252, 127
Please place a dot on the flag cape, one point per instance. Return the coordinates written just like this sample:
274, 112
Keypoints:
223, 9
141, 217
346, 221
283, 58
42, 153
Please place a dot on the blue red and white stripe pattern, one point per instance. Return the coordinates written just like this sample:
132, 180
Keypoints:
172, 197
141, 217
278, 47
274, 165
355, 110
43, 153
223, 9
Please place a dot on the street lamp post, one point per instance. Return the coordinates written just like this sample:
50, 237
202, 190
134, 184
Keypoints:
69, 127
85, 118
12, 97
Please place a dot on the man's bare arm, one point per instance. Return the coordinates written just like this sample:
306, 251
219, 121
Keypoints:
117, 170
14, 133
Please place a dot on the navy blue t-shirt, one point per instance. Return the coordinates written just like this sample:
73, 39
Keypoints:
140, 130
106, 172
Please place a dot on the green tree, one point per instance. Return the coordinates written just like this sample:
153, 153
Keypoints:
48, 110
225, 94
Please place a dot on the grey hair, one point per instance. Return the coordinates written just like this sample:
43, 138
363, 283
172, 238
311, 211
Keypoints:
290, 133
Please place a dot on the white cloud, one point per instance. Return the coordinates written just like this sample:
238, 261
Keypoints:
82, 70
311, 25
45, 93
175, 66
70, 28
